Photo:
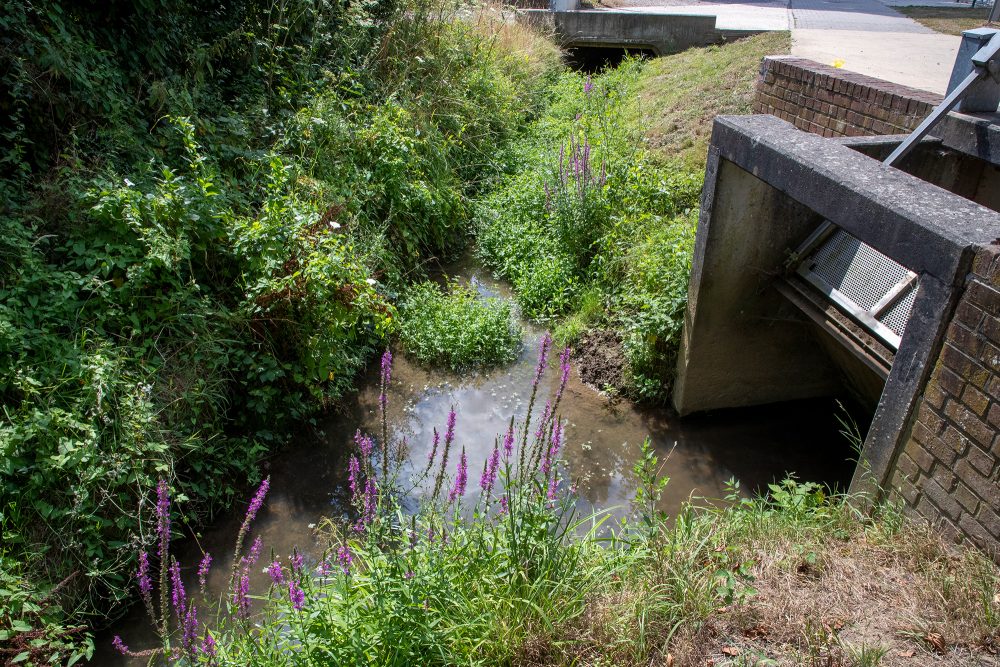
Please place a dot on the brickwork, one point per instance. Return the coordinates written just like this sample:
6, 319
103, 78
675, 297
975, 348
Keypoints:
836, 103
949, 469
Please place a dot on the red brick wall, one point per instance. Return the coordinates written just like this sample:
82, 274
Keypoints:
949, 469
835, 102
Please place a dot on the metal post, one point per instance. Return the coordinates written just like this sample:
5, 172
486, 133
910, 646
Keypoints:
995, 12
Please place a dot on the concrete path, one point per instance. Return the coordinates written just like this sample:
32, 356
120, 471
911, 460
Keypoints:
867, 36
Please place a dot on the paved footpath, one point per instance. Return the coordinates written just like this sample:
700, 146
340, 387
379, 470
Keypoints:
871, 38
867, 36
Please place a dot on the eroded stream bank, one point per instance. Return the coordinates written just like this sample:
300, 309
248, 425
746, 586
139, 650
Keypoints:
603, 435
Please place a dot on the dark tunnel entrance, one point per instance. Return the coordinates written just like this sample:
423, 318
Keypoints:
592, 59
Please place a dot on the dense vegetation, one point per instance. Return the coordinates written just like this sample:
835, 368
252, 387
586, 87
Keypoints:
455, 326
504, 572
205, 214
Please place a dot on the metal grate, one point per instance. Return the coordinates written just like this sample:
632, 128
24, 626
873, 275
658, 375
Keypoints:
871, 287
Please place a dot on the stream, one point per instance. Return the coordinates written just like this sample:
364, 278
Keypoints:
700, 454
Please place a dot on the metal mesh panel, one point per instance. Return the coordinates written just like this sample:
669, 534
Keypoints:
858, 271
899, 313
876, 290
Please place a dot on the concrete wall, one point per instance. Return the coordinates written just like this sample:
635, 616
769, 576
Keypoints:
834, 102
933, 440
661, 33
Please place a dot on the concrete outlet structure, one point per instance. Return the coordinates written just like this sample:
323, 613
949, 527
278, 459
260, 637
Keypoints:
659, 33
756, 333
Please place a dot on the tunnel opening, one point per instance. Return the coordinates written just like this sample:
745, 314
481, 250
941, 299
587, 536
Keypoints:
593, 59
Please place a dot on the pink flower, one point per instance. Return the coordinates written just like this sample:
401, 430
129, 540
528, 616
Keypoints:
461, 478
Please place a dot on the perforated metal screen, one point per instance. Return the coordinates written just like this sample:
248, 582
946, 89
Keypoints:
873, 288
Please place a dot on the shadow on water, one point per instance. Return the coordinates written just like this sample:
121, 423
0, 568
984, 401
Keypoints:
700, 454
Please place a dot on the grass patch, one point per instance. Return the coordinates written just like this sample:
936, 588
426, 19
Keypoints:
456, 327
681, 94
949, 20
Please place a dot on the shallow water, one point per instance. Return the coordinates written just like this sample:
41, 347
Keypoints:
756, 446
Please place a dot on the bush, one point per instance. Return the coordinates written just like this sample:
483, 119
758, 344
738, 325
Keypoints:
457, 327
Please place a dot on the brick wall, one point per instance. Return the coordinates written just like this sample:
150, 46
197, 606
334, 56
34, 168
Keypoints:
835, 102
949, 469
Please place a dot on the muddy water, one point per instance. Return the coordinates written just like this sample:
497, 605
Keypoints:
755, 446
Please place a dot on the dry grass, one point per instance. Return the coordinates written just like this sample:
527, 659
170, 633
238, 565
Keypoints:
834, 589
508, 35
682, 93
949, 20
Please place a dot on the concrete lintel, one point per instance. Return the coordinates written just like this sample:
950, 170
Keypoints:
922, 226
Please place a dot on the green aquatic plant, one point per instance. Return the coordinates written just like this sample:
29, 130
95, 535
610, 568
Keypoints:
455, 326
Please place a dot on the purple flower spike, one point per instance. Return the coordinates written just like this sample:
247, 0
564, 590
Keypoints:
258, 500
179, 598
489, 477
296, 595
508, 440
274, 571
543, 357
434, 448
504, 505
371, 499
588, 86
449, 434
461, 478
297, 561
353, 476
386, 376
208, 645
344, 557
189, 629
145, 584
120, 645
364, 443
163, 517
241, 595
255, 550
206, 562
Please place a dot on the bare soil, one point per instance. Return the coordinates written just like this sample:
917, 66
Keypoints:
600, 360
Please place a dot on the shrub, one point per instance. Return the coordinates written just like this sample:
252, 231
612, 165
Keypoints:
457, 327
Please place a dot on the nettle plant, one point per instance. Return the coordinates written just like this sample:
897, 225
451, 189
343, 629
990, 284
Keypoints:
392, 586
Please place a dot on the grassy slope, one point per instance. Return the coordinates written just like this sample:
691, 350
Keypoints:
949, 20
680, 94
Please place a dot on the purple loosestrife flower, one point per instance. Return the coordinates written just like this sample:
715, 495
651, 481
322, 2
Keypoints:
371, 499
504, 505
546, 413
449, 434
120, 645
297, 561
296, 595
364, 443
489, 477
274, 571
461, 478
353, 476
241, 595
386, 377
434, 447
344, 557
508, 440
179, 598
550, 456
552, 488
588, 86
258, 500
189, 629
206, 562
208, 645
255, 550
543, 356
145, 584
